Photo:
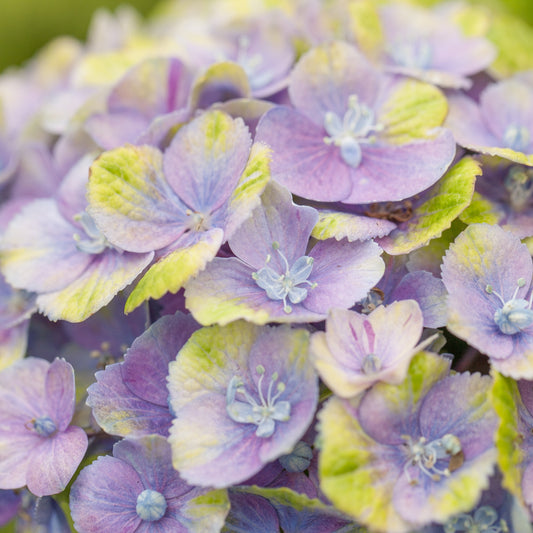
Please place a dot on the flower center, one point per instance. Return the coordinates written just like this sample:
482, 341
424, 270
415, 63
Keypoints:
299, 459
416, 54
352, 130
519, 184
282, 286
515, 314
95, 241
44, 426
516, 138
425, 455
198, 221
263, 413
151, 505
484, 520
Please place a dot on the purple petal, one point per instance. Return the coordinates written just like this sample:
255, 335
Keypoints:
508, 103
344, 273
429, 292
467, 123
111, 130
104, 497
389, 173
54, 462
252, 242
206, 159
151, 458
301, 160
60, 393
325, 77
145, 366
120, 412
39, 251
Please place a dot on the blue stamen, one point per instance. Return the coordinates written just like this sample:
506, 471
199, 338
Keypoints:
282, 286
264, 413
352, 131
44, 426
517, 138
515, 314
484, 519
151, 505
96, 242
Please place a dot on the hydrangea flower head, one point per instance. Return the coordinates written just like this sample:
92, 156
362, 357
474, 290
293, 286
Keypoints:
38, 446
488, 272
137, 490
345, 140
243, 396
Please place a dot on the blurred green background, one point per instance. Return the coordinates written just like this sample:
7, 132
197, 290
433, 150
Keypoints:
26, 25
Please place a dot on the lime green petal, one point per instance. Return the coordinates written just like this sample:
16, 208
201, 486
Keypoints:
337, 225
481, 209
366, 26
290, 498
446, 200
103, 279
171, 272
505, 400
207, 513
412, 111
246, 195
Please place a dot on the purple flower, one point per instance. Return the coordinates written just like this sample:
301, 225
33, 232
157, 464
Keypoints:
38, 446
9, 505
357, 350
344, 140
405, 455
275, 276
131, 398
243, 396
501, 124
487, 272
429, 46
137, 490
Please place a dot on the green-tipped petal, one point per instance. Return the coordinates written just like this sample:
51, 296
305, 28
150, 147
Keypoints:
505, 400
412, 111
172, 272
446, 200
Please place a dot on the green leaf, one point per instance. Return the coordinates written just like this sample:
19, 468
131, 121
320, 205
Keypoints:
366, 26
444, 202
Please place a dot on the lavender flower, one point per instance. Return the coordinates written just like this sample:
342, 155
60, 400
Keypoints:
137, 490
357, 351
345, 141
242, 396
275, 276
396, 459
38, 446
487, 272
